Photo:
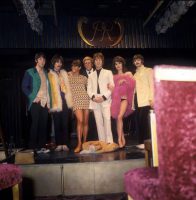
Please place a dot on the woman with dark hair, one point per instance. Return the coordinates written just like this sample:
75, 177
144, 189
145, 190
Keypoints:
80, 102
122, 96
61, 102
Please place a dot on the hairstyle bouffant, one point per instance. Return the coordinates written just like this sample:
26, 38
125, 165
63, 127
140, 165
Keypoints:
120, 60
87, 58
76, 63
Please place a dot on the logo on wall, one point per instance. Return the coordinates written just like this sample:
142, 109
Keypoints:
100, 32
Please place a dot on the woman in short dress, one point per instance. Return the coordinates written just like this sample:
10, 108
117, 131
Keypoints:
122, 96
81, 101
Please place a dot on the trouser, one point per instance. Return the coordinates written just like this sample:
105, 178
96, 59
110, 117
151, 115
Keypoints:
61, 125
143, 123
92, 130
103, 122
38, 131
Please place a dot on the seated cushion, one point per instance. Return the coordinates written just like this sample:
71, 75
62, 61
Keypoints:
10, 175
142, 183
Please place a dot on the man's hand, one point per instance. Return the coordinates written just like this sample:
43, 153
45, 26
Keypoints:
151, 103
98, 99
110, 87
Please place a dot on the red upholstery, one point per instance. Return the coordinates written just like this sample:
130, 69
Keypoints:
175, 109
10, 175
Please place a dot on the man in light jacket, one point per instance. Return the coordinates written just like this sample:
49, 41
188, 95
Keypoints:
143, 98
100, 96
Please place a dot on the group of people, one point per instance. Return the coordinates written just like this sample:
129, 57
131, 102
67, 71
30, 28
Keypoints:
93, 88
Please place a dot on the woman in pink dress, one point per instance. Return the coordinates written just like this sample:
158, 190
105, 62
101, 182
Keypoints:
122, 96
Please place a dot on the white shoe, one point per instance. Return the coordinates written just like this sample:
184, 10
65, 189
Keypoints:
65, 148
46, 150
43, 150
59, 148
140, 146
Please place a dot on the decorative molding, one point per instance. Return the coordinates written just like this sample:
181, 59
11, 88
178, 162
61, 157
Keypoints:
100, 32
32, 15
173, 14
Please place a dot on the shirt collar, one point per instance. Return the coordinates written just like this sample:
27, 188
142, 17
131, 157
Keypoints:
99, 70
140, 68
87, 71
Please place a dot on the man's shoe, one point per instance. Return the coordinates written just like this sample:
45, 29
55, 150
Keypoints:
43, 150
59, 148
140, 146
46, 150
65, 148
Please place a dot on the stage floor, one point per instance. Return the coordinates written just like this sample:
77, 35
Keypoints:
68, 173
127, 153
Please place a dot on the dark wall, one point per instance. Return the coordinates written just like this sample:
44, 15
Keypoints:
16, 33
18, 45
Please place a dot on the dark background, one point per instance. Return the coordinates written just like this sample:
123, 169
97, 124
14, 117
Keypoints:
19, 43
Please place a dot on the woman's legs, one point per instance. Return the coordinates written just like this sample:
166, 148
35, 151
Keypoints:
85, 124
121, 138
79, 117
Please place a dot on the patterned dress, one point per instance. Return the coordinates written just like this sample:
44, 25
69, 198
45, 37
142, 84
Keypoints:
80, 97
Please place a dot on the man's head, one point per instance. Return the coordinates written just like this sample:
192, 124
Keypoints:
40, 59
57, 62
98, 60
88, 63
138, 60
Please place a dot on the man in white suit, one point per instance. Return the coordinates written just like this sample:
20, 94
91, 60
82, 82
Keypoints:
100, 95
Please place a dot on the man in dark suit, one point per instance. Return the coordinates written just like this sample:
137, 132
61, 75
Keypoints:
88, 66
88, 69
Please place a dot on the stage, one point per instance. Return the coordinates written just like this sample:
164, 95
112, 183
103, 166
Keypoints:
67, 173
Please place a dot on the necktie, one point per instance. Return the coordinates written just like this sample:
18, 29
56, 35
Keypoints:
98, 89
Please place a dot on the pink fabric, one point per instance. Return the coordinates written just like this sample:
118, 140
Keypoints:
10, 175
175, 108
121, 90
142, 183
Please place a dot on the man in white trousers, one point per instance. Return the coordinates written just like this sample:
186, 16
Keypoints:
100, 95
